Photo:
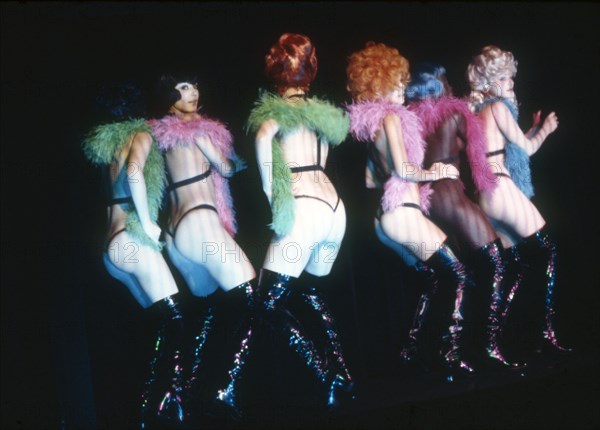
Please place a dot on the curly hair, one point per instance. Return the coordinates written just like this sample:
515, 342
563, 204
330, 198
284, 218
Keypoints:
291, 62
485, 68
428, 81
375, 71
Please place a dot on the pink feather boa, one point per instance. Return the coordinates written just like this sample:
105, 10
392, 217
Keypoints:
366, 119
434, 112
171, 132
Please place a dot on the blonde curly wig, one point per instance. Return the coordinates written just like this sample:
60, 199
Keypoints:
486, 67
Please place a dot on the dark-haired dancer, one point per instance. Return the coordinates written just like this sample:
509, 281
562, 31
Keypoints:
200, 157
452, 132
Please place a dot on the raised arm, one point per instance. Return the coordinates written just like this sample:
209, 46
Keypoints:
402, 166
510, 128
264, 154
216, 158
537, 120
136, 160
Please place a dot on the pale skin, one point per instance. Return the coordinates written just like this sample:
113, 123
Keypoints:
507, 207
406, 226
211, 256
315, 239
140, 267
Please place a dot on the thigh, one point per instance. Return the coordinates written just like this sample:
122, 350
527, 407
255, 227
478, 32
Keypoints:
326, 251
290, 254
202, 239
409, 227
408, 254
142, 268
197, 277
509, 208
454, 212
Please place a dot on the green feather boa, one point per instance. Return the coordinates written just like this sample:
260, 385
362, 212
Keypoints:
102, 145
328, 122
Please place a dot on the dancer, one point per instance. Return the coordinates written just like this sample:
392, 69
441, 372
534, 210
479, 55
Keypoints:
199, 239
135, 169
520, 225
377, 78
293, 136
452, 132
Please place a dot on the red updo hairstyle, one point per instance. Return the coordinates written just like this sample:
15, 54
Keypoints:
291, 62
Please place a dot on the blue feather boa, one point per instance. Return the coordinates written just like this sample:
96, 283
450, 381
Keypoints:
516, 159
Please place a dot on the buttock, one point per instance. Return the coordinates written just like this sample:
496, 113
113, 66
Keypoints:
195, 208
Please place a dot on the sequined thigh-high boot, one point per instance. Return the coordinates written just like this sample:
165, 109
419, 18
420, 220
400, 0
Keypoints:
323, 324
412, 352
493, 280
202, 321
542, 242
274, 290
453, 281
162, 397
237, 312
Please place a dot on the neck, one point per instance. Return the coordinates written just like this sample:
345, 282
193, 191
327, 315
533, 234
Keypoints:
294, 94
184, 116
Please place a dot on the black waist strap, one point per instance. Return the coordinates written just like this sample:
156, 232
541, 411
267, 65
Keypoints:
306, 168
379, 212
496, 152
315, 167
188, 181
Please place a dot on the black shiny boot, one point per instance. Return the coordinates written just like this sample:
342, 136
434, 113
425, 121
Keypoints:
451, 270
238, 304
342, 388
162, 397
493, 268
274, 290
202, 326
542, 241
411, 352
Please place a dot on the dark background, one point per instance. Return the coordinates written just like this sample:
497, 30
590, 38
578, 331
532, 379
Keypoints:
72, 336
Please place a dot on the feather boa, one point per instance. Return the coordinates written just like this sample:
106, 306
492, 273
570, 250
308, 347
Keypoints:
366, 119
325, 120
171, 132
516, 159
101, 146
434, 112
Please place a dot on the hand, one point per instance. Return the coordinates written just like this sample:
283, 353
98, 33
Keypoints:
444, 171
537, 119
550, 123
239, 164
153, 231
